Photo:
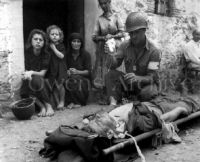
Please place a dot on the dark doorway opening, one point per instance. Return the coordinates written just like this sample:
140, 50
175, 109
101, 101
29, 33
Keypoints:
67, 14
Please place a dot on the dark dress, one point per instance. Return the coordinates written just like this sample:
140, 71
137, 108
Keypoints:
78, 86
36, 87
57, 66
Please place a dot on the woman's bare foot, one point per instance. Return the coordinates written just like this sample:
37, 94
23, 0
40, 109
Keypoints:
70, 106
76, 106
42, 112
49, 110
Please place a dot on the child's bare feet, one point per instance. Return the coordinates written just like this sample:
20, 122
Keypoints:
61, 106
50, 111
42, 112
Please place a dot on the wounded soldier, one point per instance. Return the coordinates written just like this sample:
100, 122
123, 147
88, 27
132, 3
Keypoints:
140, 117
146, 116
87, 139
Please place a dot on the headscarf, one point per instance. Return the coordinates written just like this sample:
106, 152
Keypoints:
76, 36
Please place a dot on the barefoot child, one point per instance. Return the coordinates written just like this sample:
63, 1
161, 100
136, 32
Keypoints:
57, 69
36, 65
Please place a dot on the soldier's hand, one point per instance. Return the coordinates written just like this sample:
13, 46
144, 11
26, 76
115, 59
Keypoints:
130, 78
68, 72
106, 49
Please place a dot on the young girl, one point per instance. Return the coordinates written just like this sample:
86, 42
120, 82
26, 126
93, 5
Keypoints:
57, 67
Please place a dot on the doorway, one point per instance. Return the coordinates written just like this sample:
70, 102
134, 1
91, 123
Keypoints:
67, 14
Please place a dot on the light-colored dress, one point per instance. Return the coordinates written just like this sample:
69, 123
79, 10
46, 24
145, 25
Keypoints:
105, 25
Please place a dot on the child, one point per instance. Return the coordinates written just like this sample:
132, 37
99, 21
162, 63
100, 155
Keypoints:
57, 68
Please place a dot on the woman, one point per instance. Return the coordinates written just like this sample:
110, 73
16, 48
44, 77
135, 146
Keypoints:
108, 26
79, 69
36, 65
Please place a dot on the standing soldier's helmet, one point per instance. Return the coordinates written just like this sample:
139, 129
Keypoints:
135, 21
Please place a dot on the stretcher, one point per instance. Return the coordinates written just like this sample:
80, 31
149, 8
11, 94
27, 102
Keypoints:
127, 142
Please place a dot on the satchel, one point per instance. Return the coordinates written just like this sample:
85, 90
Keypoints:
141, 119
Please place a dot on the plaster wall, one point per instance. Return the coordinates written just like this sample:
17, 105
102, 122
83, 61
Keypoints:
91, 13
11, 46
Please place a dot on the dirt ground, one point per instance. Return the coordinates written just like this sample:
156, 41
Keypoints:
20, 141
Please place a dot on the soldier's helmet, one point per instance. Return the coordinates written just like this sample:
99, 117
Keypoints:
135, 21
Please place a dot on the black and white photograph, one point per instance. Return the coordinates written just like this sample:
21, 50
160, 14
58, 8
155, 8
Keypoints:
99, 80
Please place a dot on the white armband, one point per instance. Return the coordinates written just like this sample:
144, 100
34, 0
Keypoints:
153, 65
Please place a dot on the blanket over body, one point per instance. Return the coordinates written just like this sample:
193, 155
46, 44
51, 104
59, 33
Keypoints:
70, 144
